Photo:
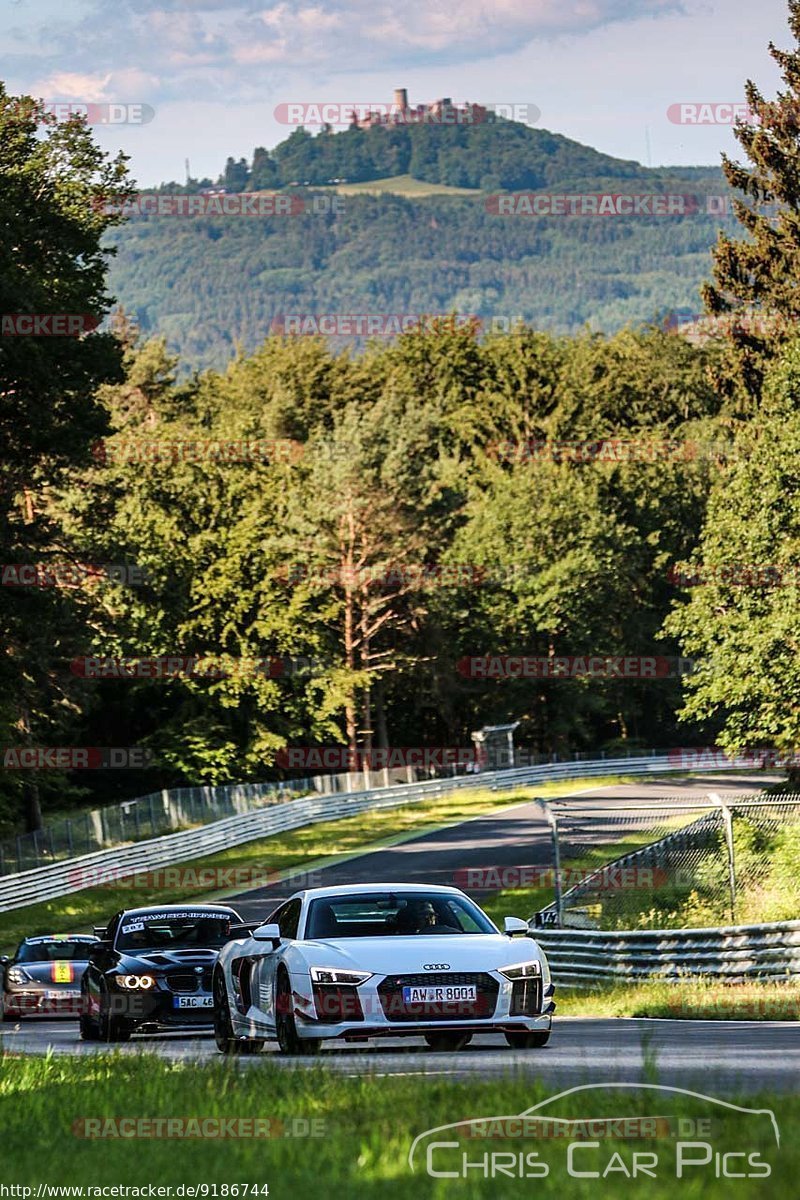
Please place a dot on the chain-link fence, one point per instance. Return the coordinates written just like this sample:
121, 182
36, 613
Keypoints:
675, 865
174, 809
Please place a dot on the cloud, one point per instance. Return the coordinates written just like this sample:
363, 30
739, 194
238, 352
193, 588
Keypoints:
70, 85
208, 47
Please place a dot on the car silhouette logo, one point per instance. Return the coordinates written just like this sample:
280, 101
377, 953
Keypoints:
436, 966
198, 970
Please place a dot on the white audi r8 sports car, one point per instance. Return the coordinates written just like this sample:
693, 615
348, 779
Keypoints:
381, 960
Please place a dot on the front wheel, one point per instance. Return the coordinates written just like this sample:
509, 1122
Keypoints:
88, 1029
285, 1025
227, 1042
528, 1041
113, 1030
448, 1041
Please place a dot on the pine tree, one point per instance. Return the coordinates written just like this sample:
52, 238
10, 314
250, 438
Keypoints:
757, 278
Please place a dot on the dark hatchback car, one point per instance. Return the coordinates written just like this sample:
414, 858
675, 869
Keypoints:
43, 979
151, 970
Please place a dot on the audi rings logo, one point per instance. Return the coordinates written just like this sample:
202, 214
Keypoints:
436, 966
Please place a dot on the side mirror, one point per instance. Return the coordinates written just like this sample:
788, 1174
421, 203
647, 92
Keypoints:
514, 927
4, 960
101, 947
100, 931
268, 933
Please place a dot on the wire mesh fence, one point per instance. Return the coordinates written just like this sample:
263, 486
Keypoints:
675, 865
173, 809
149, 816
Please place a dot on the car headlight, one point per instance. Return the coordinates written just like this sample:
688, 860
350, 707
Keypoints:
132, 983
524, 970
17, 976
334, 975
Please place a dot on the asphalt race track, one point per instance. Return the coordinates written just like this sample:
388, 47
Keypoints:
731, 1056
513, 837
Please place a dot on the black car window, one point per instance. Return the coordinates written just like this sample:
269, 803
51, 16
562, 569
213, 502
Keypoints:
61, 950
289, 919
113, 926
378, 914
140, 932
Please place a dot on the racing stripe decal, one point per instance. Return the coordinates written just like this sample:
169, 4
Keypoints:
62, 972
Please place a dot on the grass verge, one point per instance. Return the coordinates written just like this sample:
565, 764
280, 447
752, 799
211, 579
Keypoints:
301, 849
365, 1127
531, 899
700, 1000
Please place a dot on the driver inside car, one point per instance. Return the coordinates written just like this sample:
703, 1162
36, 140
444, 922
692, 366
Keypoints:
419, 916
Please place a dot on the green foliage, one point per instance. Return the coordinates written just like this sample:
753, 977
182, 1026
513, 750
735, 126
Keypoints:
214, 284
756, 273
51, 229
743, 621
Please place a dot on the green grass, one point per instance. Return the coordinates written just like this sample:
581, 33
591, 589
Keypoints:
300, 850
707, 1000
512, 901
403, 185
767, 882
365, 1125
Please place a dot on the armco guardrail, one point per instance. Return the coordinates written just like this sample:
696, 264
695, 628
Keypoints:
580, 958
60, 878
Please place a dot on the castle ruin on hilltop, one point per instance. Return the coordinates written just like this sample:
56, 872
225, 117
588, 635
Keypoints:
440, 112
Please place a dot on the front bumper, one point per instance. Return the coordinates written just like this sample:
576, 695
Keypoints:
351, 1032
373, 1012
158, 1009
28, 1000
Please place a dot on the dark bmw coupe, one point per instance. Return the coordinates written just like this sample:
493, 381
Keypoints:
151, 970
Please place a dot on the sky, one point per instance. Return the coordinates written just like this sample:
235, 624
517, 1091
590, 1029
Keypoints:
204, 79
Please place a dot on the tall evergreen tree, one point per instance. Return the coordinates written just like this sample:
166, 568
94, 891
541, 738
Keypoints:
755, 278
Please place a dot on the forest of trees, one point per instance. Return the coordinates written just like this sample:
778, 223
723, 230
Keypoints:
214, 285
373, 520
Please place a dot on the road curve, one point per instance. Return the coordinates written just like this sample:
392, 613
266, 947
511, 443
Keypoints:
735, 1057
517, 836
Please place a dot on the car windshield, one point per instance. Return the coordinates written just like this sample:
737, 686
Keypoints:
173, 931
61, 950
378, 914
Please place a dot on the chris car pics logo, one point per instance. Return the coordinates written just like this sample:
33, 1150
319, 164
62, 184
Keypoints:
606, 1131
